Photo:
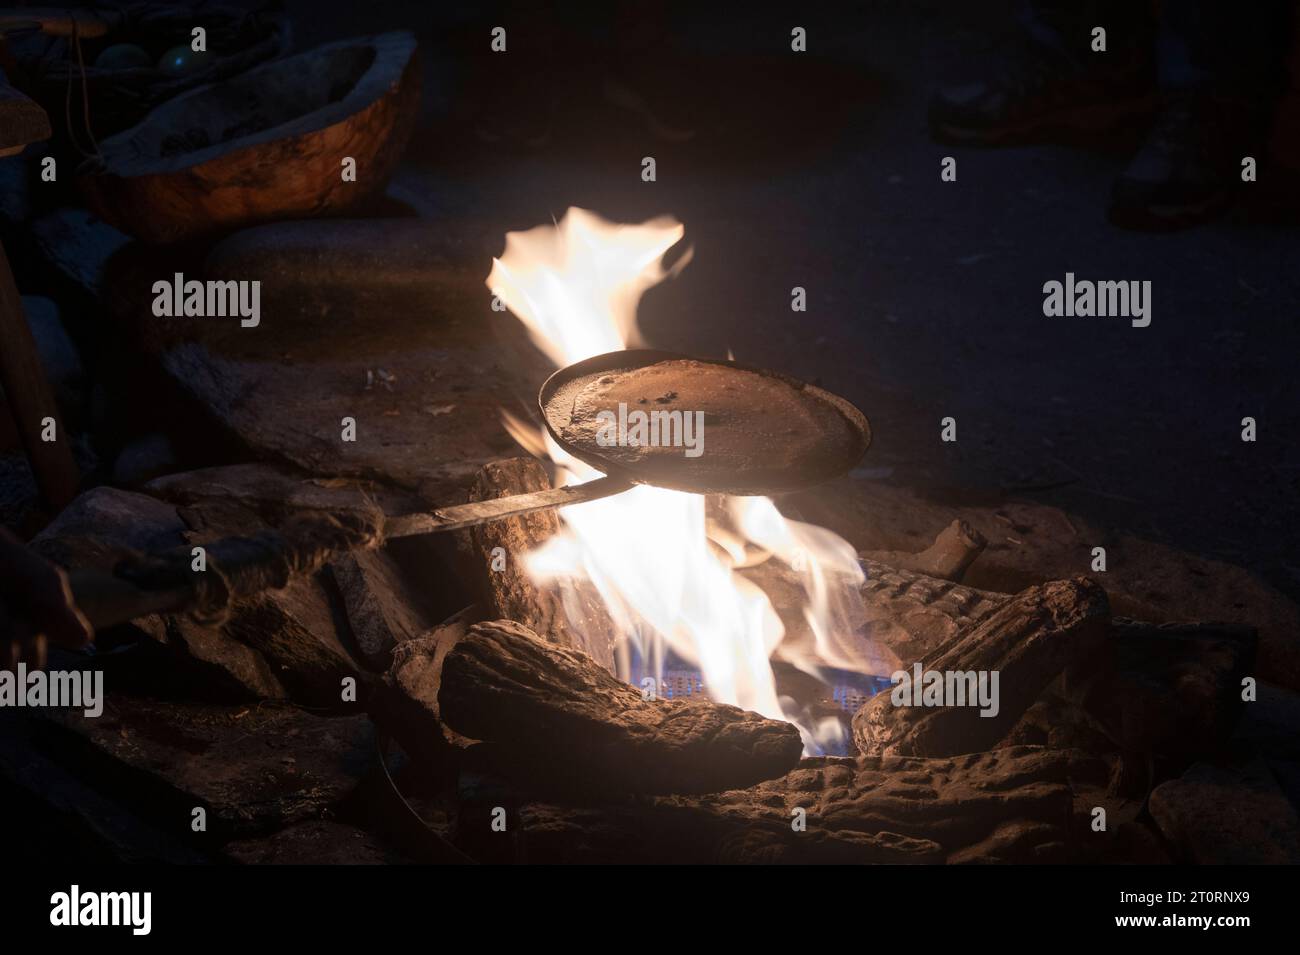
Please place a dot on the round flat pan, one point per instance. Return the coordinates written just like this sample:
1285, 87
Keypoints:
701, 425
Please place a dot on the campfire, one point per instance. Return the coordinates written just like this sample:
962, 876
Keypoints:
612, 647
666, 563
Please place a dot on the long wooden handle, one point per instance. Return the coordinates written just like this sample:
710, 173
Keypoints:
106, 600
31, 400
480, 512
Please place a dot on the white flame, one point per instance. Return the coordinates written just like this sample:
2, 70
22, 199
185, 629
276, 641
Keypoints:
666, 574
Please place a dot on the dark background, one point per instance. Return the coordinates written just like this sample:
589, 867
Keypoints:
924, 297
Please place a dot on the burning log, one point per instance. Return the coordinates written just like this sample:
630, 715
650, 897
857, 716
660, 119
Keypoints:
1019, 649
1011, 805
498, 548
910, 614
902, 615
553, 719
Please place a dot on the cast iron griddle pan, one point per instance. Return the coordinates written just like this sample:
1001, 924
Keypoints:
762, 432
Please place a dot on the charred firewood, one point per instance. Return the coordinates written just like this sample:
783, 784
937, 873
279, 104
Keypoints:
954, 550
504, 587
967, 694
899, 616
1012, 805
495, 696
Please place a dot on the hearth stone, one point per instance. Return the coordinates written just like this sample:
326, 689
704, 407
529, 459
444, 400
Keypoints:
252, 768
1229, 813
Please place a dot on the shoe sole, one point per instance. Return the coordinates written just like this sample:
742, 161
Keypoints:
1084, 119
1169, 218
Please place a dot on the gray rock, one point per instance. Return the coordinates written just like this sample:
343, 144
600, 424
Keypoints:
297, 631
219, 667
1228, 814
75, 815
316, 842
383, 321
252, 768
381, 611
431, 433
78, 246
388, 272
104, 525
143, 459
59, 355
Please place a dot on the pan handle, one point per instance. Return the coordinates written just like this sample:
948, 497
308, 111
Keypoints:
106, 600
480, 512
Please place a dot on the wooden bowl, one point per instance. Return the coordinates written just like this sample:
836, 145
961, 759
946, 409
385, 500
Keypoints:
266, 144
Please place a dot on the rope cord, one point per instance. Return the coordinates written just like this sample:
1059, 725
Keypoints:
239, 567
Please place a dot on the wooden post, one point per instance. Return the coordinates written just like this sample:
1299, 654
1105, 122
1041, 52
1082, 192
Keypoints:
31, 400
27, 390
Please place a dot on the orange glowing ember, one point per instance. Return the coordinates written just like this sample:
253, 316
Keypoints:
667, 574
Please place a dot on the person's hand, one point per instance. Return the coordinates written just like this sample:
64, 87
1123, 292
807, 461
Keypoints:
36, 607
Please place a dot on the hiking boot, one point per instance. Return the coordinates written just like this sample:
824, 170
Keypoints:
1189, 167
1030, 88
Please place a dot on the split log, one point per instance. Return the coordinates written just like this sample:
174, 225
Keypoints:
504, 586
1027, 642
552, 719
899, 617
1172, 689
380, 609
275, 494
1012, 805
954, 550
908, 615
1031, 542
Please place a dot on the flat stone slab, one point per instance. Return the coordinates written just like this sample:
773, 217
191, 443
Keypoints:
1228, 815
252, 768
315, 842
